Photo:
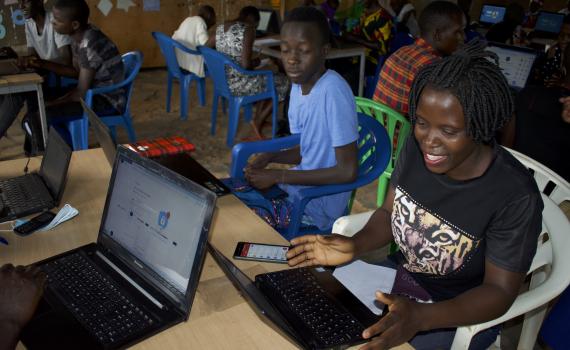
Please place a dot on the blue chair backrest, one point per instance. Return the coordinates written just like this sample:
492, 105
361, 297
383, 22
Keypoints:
216, 63
373, 147
132, 62
167, 45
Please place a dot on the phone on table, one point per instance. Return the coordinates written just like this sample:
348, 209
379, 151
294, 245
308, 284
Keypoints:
261, 252
35, 223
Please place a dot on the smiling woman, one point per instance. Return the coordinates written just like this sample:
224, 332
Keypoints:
464, 212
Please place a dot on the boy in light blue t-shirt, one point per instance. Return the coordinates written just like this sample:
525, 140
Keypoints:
322, 110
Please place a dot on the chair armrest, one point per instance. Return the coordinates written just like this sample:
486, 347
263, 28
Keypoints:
242, 151
350, 224
184, 48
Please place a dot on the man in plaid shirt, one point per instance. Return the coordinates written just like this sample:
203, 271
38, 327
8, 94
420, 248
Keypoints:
442, 25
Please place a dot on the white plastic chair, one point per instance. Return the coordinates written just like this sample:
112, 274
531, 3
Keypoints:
550, 267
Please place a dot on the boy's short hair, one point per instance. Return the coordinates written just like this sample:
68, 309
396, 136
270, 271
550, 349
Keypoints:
249, 11
438, 14
311, 15
77, 10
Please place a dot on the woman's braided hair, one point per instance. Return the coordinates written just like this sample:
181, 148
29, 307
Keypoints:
476, 82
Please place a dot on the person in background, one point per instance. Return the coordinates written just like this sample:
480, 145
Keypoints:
441, 25
322, 110
193, 32
531, 16
542, 129
235, 39
96, 58
549, 69
21, 289
406, 17
505, 31
373, 32
465, 213
42, 42
329, 8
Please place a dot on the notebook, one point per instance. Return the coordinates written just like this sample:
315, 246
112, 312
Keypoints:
181, 163
36, 192
141, 275
308, 305
491, 14
515, 63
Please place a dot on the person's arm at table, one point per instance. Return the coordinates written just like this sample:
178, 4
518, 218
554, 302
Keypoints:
332, 250
84, 83
345, 170
20, 292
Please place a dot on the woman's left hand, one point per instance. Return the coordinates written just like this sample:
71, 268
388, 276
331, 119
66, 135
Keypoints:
262, 178
399, 325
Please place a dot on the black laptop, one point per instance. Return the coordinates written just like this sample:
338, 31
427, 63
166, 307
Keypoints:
548, 25
182, 163
309, 305
491, 14
515, 62
36, 192
141, 275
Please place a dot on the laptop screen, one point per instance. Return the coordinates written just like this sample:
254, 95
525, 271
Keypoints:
55, 163
515, 62
491, 14
264, 18
156, 217
549, 22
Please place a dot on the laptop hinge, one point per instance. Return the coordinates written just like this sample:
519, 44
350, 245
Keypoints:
130, 280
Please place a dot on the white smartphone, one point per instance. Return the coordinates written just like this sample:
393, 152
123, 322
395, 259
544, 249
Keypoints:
261, 252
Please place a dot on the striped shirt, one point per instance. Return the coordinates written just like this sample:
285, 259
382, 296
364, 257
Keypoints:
399, 71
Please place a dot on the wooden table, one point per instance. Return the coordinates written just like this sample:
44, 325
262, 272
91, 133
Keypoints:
220, 317
266, 46
13, 84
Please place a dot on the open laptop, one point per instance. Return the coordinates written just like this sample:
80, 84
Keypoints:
141, 275
491, 14
548, 25
515, 63
9, 66
308, 305
181, 163
268, 23
36, 192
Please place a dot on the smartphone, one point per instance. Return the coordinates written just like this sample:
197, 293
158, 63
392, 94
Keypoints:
35, 223
261, 252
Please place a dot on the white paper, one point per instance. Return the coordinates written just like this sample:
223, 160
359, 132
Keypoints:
266, 42
363, 280
105, 7
124, 5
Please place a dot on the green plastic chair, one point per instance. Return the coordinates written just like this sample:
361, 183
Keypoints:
391, 120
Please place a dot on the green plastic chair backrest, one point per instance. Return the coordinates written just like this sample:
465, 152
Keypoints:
392, 121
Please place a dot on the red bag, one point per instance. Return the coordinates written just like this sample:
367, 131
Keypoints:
161, 146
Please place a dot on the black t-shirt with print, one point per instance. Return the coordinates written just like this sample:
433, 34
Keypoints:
446, 228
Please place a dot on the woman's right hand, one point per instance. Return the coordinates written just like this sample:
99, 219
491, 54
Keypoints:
323, 250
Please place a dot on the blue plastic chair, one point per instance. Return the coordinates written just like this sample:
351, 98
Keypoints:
167, 47
78, 127
374, 150
216, 62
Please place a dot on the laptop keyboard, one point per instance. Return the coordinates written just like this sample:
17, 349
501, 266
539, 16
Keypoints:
100, 306
304, 297
24, 193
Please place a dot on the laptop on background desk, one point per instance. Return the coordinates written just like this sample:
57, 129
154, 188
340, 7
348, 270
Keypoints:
548, 25
491, 14
309, 305
182, 163
515, 62
36, 192
141, 275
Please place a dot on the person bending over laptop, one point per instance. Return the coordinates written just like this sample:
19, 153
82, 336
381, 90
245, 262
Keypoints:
96, 58
43, 43
464, 212
323, 111
21, 288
